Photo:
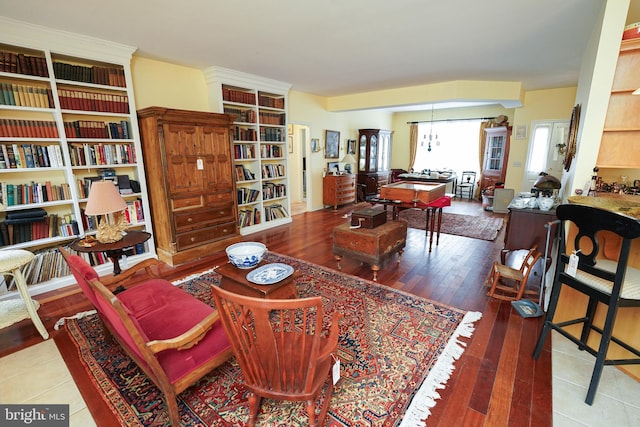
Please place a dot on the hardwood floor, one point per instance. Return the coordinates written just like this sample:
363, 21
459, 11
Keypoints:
495, 382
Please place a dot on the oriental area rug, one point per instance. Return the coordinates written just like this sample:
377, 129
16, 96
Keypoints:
477, 227
396, 350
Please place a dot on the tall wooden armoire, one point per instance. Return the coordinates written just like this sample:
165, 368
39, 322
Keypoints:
189, 169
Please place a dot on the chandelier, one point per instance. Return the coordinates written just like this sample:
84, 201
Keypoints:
431, 138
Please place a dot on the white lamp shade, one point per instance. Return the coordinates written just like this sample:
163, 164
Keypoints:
104, 198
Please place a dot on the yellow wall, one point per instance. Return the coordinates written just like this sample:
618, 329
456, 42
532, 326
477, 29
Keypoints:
307, 109
162, 84
548, 104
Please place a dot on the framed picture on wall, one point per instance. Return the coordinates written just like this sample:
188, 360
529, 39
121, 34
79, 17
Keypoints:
332, 144
315, 145
351, 146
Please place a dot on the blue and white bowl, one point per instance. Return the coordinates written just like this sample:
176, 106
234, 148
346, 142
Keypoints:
246, 254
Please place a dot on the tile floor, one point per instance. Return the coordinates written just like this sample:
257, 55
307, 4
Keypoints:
617, 402
24, 381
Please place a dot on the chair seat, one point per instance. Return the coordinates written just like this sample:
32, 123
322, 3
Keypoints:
630, 289
163, 311
14, 258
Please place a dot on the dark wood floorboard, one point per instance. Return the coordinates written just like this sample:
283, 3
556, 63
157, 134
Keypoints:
495, 382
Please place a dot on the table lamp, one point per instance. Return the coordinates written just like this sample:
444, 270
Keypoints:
348, 160
104, 199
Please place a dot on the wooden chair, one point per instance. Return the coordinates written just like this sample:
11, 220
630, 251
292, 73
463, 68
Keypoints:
603, 276
281, 349
467, 184
173, 337
510, 284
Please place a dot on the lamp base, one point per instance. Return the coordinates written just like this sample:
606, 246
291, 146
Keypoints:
112, 232
109, 234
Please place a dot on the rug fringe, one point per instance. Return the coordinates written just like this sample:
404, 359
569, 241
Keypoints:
79, 315
194, 276
426, 396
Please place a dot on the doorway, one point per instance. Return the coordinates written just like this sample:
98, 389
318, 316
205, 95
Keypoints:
299, 175
547, 139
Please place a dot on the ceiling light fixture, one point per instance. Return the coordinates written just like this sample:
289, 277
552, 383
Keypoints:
431, 132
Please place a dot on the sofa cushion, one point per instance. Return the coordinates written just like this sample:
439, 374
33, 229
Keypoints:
162, 311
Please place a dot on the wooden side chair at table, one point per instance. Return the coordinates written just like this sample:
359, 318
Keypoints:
172, 336
281, 349
592, 266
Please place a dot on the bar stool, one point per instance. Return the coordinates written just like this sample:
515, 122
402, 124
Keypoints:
435, 208
10, 263
604, 281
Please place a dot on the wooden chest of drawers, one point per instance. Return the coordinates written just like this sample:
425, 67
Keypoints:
338, 190
370, 245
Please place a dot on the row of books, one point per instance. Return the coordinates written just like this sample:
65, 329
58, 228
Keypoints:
47, 264
25, 96
97, 129
271, 190
19, 63
108, 76
244, 134
268, 151
102, 154
272, 134
244, 151
239, 96
33, 192
134, 212
271, 102
248, 217
20, 156
52, 225
93, 101
275, 211
271, 118
19, 128
247, 195
245, 116
272, 170
244, 174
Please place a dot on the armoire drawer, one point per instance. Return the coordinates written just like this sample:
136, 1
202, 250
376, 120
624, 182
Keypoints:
189, 219
204, 235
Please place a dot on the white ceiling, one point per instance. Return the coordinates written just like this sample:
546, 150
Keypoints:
336, 47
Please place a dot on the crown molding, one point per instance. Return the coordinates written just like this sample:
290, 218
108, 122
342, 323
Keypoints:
220, 74
63, 42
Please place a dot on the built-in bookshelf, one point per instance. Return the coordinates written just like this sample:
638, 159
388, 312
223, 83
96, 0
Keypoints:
260, 145
65, 121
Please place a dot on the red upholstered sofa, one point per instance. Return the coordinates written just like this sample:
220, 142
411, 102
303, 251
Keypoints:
175, 338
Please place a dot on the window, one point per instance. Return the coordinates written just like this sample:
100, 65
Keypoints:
455, 148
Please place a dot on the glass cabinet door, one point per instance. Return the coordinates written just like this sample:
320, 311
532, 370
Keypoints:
373, 154
384, 156
362, 154
495, 149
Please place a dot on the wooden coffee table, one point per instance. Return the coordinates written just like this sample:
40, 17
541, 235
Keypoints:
370, 245
234, 279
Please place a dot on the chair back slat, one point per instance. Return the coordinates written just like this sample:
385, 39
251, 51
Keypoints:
276, 342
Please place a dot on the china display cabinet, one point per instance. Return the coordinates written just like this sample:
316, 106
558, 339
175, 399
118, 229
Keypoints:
374, 160
496, 156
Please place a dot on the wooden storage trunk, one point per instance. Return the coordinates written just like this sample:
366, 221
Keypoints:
368, 218
409, 192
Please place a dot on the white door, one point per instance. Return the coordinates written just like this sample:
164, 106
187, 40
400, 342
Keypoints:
547, 139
